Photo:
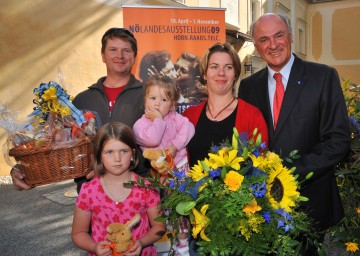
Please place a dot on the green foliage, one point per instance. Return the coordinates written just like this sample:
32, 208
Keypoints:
348, 176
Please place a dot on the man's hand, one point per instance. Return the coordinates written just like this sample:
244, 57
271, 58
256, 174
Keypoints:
90, 175
18, 179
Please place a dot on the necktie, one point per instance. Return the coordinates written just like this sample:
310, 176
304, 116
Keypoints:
278, 97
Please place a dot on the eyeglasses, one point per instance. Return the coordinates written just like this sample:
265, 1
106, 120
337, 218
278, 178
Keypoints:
112, 31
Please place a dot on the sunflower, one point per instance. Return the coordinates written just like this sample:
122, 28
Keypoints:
282, 189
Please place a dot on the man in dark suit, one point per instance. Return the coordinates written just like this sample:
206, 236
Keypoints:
312, 119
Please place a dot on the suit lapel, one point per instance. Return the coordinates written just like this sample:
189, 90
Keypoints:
263, 99
293, 89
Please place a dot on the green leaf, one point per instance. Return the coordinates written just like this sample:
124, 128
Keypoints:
258, 140
223, 173
255, 131
160, 219
184, 208
235, 133
204, 165
141, 182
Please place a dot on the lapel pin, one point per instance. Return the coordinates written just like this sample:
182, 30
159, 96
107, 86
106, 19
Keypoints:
299, 82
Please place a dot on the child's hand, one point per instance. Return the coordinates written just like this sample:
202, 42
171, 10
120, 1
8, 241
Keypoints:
103, 249
135, 250
152, 114
172, 150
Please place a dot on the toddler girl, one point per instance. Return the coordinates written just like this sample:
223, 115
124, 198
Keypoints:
161, 127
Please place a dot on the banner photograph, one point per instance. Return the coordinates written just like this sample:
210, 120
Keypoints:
171, 41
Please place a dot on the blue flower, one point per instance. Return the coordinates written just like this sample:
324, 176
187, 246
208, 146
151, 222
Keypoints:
215, 173
288, 227
280, 223
257, 152
172, 184
179, 174
263, 145
284, 214
195, 189
267, 216
182, 187
253, 171
258, 190
285, 221
215, 148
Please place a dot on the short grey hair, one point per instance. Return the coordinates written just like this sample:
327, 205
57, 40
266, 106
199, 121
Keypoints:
284, 18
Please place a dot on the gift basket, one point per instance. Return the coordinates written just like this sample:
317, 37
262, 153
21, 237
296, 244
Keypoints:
55, 143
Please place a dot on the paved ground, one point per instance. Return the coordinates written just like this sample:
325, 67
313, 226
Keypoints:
37, 222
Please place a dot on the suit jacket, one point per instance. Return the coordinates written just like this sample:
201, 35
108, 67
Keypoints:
313, 119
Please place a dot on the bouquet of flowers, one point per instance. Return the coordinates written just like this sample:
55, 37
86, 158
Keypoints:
241, 200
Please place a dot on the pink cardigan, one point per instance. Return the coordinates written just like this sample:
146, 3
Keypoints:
174, 129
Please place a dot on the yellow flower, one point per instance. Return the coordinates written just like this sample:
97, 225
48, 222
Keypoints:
225, 158
233, 180
252, 208
197, 172
249, 225
351, 247
200, 222
358, 210
282, 189
256, 160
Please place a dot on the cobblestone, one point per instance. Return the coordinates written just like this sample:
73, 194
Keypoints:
5, 180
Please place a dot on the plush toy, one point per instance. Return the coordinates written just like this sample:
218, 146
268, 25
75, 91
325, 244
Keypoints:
120, 235
160, 160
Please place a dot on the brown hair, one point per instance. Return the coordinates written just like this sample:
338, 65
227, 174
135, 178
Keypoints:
158, 59
117, 131
221, 47
194, 67
166, 83
121, 33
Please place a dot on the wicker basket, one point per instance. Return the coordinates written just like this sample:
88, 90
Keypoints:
44, 166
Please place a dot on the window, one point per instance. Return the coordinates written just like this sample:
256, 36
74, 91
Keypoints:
232, 11
254, 10
180, 1
301, 44
282, 9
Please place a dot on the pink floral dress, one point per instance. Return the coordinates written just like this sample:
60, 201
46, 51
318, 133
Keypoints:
104, 210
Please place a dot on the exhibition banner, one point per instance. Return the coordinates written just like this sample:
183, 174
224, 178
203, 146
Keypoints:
171, 41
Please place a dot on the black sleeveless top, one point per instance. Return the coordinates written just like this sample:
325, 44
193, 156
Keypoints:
209, 133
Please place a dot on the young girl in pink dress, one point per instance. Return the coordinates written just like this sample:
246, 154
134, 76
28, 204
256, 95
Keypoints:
105, 199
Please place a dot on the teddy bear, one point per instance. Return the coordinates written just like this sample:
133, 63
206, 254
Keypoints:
120, 235
160, 160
